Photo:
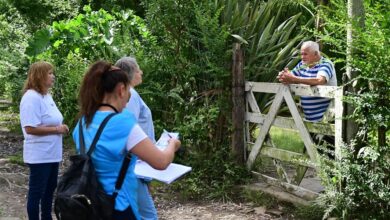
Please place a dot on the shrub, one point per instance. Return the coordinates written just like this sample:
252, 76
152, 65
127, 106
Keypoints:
358, 186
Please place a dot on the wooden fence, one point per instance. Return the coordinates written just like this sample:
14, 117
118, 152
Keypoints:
263, 144
245, 119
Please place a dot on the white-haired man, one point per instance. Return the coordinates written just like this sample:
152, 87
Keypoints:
312, 70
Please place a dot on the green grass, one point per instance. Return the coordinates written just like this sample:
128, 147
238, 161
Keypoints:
260, 199
285, 139
17, 159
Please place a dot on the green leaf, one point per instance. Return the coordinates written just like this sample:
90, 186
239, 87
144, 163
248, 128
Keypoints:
240, 39
38, 43
57, 43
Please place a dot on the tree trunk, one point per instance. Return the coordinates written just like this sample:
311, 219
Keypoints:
356, 16
382, 136
320, 20
238, 96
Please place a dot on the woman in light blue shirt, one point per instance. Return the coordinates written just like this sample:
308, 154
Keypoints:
143, 116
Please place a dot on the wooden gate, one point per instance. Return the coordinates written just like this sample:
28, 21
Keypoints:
263, 144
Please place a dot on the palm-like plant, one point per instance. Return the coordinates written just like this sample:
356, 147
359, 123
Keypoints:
272, 31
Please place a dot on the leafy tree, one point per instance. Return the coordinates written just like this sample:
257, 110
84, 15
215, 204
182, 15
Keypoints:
115, 5
39, 13
18, 20
72, 44
13, 35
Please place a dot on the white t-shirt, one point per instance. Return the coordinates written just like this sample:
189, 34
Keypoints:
37, 110
136, 135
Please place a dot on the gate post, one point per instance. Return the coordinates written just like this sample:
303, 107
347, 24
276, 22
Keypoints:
238, 99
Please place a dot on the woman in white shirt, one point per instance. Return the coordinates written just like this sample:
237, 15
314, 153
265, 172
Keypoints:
42, 128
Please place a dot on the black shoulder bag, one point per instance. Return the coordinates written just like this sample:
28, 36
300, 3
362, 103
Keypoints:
80, 195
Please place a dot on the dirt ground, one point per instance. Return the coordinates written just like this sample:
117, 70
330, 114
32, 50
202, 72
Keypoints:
14, 182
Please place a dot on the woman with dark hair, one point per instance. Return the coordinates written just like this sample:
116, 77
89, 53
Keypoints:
42, 128
105, 89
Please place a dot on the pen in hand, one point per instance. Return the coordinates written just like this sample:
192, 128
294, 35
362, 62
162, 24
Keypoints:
181, 149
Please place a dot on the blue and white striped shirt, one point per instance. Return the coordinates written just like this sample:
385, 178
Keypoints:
315, 107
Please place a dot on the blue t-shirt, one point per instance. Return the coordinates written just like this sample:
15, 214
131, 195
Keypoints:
109, 153
142, 113
315, 107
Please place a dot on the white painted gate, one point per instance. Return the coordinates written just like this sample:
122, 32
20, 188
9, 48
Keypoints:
263, 145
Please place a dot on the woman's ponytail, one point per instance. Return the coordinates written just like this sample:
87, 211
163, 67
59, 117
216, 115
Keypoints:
100, 79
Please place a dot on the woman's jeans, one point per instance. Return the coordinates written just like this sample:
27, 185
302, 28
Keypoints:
145, 202
42, 183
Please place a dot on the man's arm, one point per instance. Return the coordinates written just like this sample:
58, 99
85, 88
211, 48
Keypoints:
286, 77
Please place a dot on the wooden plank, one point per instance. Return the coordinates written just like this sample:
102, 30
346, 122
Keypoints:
288, 123
265, 128
309, 145
338, 103
319, 91
247, 137
300, 172
279, 167
296, 190
287, 156
263, 87
247, 140
296, 89
277, 192
252, 102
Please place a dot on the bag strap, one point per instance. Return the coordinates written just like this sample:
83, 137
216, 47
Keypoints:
122, 174
81, 137
97, 135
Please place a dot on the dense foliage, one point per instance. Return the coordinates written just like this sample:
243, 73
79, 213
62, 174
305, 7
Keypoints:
71, 45
193, 97
18, 21
358, 186
13, 37
184, 48
195, 60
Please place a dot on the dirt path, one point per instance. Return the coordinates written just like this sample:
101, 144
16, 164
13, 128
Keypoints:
14, 182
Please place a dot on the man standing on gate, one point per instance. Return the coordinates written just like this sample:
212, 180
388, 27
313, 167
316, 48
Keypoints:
312, 70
